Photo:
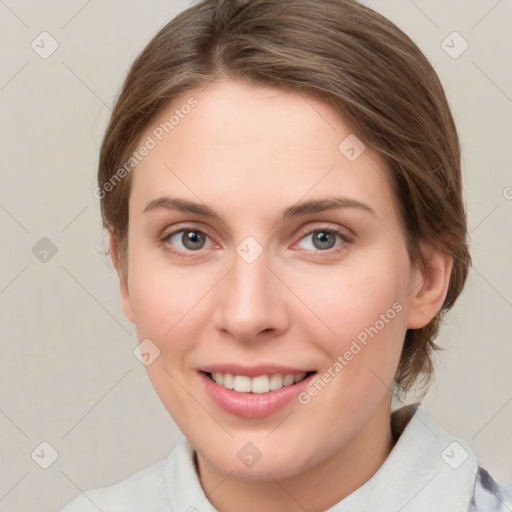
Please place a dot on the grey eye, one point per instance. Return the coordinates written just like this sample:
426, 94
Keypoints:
322, 239
191, 240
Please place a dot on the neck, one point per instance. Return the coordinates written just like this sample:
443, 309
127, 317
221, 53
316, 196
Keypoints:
315, 490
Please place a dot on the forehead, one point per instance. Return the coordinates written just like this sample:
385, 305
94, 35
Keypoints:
259, 142
233, 114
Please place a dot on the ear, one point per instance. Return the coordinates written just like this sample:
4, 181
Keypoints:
122, 274
429, 288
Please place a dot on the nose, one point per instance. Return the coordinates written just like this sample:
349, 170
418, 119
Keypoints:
251, 303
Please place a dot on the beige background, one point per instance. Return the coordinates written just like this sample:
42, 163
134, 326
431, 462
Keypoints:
68, 374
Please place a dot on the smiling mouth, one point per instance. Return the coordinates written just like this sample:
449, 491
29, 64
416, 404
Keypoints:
259, 384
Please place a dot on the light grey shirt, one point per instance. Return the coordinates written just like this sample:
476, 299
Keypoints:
427, 469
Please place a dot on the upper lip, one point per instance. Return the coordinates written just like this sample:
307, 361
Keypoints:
253, 371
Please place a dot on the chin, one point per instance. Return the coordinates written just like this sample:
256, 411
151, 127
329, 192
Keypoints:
262, 460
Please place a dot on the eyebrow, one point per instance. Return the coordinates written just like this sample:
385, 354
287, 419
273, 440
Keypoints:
296, 210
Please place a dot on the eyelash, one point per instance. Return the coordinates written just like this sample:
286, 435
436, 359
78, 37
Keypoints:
346, 239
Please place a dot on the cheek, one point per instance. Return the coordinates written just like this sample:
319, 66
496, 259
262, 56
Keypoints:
364, 308
166, 300
355, 300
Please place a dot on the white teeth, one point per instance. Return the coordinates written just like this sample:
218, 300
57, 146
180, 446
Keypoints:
259, 384
288, 380
242, 384
276, 382
225, 380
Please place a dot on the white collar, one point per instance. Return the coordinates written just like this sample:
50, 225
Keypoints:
427, 469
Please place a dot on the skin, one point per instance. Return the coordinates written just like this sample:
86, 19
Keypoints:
249, 152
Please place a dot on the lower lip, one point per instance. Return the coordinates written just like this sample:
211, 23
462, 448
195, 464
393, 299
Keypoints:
253, 405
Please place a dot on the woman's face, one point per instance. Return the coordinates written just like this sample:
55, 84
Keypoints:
236, 270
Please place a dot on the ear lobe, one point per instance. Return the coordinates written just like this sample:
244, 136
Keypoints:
430, 290
122, 274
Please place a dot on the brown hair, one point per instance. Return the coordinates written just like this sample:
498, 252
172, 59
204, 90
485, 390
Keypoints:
349, 55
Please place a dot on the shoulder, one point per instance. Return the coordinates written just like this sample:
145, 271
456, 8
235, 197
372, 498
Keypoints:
460, 482
144, 490
489, 495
